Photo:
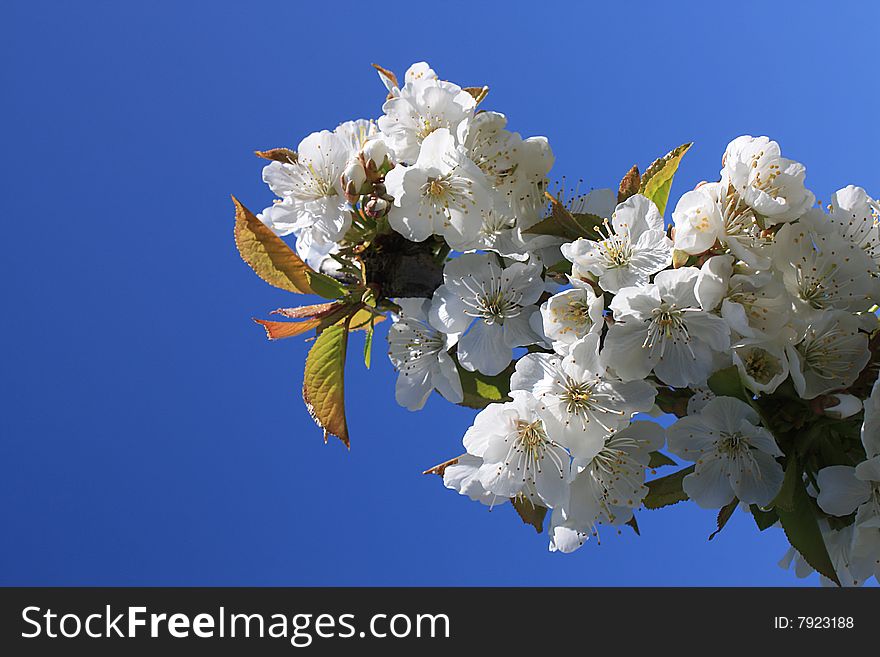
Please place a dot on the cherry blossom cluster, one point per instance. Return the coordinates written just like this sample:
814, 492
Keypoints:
739, 337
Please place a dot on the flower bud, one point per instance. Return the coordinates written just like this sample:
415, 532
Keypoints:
375, 154
846, 406
377, 207
353, 179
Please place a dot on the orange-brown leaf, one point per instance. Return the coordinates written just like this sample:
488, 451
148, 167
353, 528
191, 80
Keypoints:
478, 93
317, 310
629, 185
278, 330
278, 155
385, 73
440, 468
274, 261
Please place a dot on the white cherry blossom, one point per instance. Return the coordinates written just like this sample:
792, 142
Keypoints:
856, 216
500, 233
310, 187
585, 402
606, 488
715, 212
462, 476
823, 271
443, 193
839, 544
516, 168
830, 356
518, 454
844, 490
763, 366
757, 306
870, 431
768, 183
490, 306
734, 455
570, 315
698, 219
424, 105
783, 300
661, 327
633, 247
419, 353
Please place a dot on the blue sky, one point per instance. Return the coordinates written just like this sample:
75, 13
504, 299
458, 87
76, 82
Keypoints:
150, 434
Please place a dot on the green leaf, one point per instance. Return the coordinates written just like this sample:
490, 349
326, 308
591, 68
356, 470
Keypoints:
726, 383
659, 459
562, 223
530, 513
632, 522
791, 482
723, 516
561, 267
657, 179
324, 382
275, 262
368, 345
682, 259
480, 390
673, 401
802, 529
667, 490
763, 519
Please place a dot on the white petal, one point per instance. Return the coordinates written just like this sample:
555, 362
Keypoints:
518, 332
447, 312
712, 282
623, 351
446, 380
483, 349
840, 492
413, 388
708, 485
758, 482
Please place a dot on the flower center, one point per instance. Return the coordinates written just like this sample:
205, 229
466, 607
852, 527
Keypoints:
765, 180
761, 366
616, 248
732, 444
666, 323
574, 312
436, 187
413, 344
497, 307
427, 127
584, 399
826, 354
313, 182
492, 301
811, 285
531, 451
739, 220
531, 435
577, 396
